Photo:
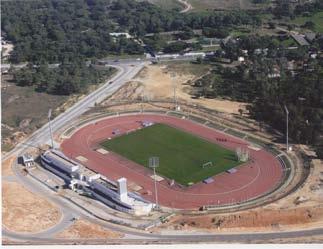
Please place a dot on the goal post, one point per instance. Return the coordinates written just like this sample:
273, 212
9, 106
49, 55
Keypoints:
242, 154
207, 164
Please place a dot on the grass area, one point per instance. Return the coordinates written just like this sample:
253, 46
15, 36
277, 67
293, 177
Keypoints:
202, 5
290, 42
316, 18
209, 48
125, 56
166, 4
23, 109
181, 154
240, 31
184, 67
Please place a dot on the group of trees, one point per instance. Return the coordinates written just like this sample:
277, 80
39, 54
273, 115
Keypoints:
141, 18
57, 31
301, 93
285, 8
65, 79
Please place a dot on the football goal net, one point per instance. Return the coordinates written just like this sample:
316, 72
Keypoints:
242, 154
207, 164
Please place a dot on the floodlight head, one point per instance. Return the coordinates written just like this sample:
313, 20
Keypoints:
153, 162
286, 110
49, 113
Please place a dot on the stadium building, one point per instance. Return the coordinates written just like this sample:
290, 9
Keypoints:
83, 180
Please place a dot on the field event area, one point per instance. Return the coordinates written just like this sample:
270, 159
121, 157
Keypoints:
183, 156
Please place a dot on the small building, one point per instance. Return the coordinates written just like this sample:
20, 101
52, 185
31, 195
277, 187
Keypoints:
117, 34
300, 40
28, 160
241, 59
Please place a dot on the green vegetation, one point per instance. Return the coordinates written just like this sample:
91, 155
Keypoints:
181, 154
166, 4
63, 31
316, 19
268, 84
24, 110
63, 80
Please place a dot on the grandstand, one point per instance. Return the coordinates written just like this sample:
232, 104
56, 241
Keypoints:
78, 177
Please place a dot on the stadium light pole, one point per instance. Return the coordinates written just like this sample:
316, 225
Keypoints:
154, 163
174, 90
287, 114
50, 127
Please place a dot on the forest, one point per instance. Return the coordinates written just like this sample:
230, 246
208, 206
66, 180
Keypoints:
65, 79
55, 31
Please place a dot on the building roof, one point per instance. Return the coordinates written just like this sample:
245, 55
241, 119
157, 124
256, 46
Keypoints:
300, 40
27, 158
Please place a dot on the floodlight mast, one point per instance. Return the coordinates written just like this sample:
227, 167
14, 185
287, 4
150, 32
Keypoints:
154, 163
50, 128
287, 114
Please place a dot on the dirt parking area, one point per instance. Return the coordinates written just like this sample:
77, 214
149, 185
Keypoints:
86, 230
23, 211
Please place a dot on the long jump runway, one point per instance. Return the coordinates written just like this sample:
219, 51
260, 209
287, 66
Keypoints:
252, 179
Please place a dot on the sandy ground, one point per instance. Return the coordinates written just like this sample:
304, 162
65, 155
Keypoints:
86, 230
159, 82
6, 167
23, 211
251, 221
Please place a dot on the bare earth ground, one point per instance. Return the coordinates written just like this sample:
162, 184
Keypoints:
86, 230
6, 167
23, 211
158, 81
285, 214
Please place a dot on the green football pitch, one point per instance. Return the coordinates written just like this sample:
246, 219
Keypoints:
181, 154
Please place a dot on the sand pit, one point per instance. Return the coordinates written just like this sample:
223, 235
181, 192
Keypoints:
23, 211
86, 230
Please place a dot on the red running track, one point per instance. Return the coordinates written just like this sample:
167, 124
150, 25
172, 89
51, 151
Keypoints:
261, 174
